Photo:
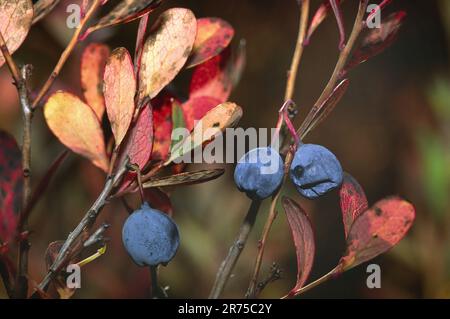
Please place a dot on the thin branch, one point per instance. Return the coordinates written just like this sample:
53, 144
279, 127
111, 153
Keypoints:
227, 265
66, 53
298, 53
9, 60
87, 221
21, 286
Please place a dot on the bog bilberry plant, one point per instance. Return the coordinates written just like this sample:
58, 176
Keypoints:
130, 91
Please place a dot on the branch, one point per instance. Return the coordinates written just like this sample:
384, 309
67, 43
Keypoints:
9, 60
66, 53
235, 251
87, 221
21, 285
298, 53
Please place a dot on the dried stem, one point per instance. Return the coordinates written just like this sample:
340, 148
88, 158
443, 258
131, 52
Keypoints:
9, 60
87, 221
227, 265
66, 53
358, 25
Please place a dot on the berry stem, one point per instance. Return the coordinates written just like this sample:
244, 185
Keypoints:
229, 262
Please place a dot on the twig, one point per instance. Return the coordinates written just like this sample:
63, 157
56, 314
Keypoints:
21, 285
274, 275
326, 92
87, 221
235, 250
298, 53
9, 60
66, 53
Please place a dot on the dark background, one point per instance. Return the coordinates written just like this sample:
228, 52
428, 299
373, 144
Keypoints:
391, 131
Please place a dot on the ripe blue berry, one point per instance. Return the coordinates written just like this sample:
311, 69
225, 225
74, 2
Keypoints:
315, 170
259, 172
150, 237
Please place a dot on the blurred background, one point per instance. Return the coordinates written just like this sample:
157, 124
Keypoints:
391, 131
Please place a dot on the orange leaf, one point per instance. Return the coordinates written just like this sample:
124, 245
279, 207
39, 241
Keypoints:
377, 230
303, 236
75, 124
353, 201
93, 63
119, 88
213, 36
15, 22
166, 50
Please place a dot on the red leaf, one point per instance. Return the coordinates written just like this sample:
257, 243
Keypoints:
377, 230
378, 40
140, 39
213, 36
353, 201
217, 76
93, 63
119, 88
159, 200
139, 142
320, 15
195, 108
303, 236
11, 185
162, 121
319, 113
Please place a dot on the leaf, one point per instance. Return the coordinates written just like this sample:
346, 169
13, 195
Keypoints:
119, 89
186, 178
11, 186
303, 236
75, 124
195, 108
139, 143
166, 50
377, 230
42, 8
319, 16
140, 40
93, 63
378, 40
353, 201
217, 76
215, 121
15, 22
158, 200
125, 11
177, 121
318, 114
162, 121
213, 36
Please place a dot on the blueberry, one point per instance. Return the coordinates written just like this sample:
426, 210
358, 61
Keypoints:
315, 170
150, 237
259, 172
